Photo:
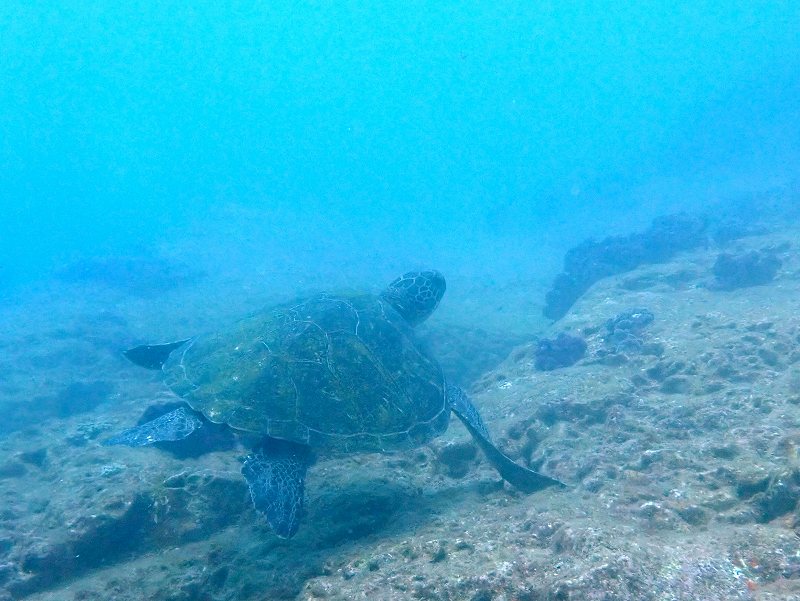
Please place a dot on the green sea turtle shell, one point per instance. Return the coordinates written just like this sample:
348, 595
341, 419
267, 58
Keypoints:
343, 373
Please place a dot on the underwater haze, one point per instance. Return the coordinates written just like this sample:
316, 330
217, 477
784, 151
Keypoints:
472, 137
378, 301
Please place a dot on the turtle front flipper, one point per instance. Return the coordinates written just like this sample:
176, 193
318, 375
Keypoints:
518, 476
152, 356
175, 425
276, 475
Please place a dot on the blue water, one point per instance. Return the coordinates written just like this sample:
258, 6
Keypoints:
167, 166
362, 134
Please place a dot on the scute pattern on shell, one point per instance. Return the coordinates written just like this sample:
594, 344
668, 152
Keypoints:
342, 373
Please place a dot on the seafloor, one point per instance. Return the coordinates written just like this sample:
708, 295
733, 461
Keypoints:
680, 446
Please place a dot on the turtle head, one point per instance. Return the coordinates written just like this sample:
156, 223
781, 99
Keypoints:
415, 295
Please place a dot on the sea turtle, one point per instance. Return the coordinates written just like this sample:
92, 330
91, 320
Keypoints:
332, 373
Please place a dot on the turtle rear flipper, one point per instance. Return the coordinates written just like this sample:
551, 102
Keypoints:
175, 425
276, 476
152, 356
518, 476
